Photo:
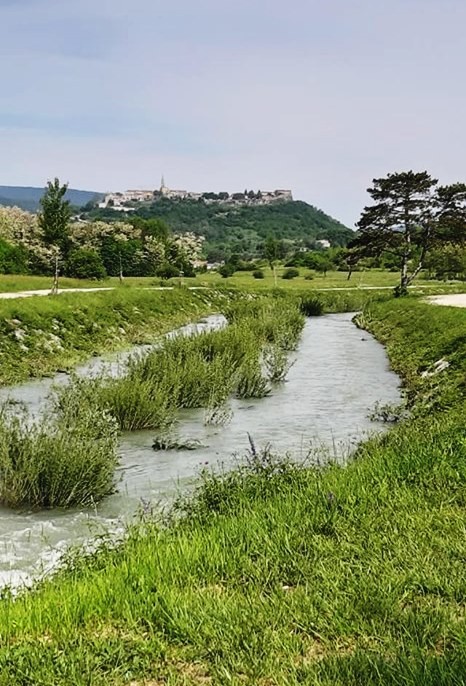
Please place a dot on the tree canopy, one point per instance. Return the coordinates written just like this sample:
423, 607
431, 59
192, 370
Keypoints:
410, 216
55, 215
241, 229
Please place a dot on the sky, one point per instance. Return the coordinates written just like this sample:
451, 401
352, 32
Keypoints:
318, 97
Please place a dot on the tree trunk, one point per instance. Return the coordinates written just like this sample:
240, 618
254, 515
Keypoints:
120, 275
404, 275
55, 278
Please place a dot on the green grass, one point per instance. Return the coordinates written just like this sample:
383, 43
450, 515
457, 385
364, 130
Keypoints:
275, 574
67, 459
373, 278
39, 336
10, 283
365, 279
199, 371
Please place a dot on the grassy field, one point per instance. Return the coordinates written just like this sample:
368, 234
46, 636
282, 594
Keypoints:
364, 279
279, 575
242, 280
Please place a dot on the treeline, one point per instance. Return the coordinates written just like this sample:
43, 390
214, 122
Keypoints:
446, 262
242, 229
51, 242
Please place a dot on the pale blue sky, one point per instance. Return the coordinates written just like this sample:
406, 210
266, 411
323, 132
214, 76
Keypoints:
314, 96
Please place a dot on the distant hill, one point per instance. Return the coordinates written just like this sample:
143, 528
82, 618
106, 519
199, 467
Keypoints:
242, 229
27, 197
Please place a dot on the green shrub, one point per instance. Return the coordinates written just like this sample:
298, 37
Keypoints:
199, 371
13, 258
277, 363
226, 270
290, 273
258, 274
168, 271
85, 264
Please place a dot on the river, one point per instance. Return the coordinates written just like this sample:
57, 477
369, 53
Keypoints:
338, 375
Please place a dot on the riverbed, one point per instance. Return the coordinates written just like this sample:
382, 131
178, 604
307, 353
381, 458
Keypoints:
321, 413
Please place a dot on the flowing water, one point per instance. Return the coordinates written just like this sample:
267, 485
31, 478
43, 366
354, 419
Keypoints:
338, 375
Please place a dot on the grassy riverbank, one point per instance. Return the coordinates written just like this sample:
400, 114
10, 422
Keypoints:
68, 457
280, 575
39, 336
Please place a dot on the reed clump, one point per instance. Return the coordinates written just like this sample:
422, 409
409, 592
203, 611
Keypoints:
66, 459
69, 457
202, 370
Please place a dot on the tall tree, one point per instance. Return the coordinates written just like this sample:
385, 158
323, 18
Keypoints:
55, 215
409, 217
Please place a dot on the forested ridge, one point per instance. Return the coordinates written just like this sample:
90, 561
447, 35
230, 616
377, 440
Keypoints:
243, 229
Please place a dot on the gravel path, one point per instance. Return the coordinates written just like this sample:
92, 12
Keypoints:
454, 300
46, 291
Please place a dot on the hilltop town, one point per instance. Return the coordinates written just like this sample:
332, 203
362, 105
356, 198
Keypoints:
128, 201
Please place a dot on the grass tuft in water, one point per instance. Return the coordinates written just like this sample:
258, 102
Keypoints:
66, 459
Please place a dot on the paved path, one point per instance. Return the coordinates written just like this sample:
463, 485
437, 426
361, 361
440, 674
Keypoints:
453, 300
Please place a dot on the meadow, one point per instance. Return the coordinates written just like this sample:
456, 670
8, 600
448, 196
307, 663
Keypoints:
373, 278
278, 574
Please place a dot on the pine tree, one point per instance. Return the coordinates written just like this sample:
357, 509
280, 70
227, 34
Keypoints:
410, 216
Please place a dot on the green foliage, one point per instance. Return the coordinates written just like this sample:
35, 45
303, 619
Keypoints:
273, 250
290, 273
447, 262
409, 217
117, 254
85, 264
226, 270
243, 229
55, 215
168, 271
200, 371
311, 305
277, 363
144, 247
40, 335
417, 336
155, 228
13, 258
251, 381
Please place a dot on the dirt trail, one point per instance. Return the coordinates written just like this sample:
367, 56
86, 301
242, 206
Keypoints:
453, 300
46, 291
